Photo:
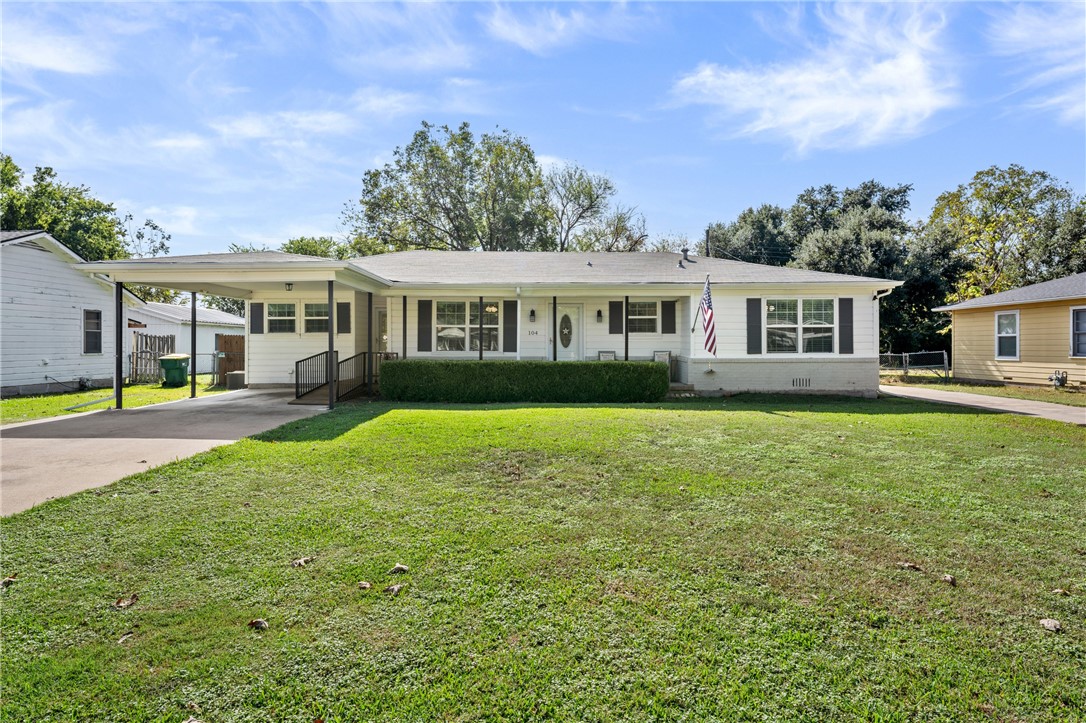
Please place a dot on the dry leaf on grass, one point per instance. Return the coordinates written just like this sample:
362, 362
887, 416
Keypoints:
301, 562
950, 580
126, 636
126, 602
258, 624
393, 589
910, 566
399, 569
364, 585
1060, 591
1052, 626
9, 580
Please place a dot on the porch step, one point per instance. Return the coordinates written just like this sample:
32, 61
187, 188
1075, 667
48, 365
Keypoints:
678, 390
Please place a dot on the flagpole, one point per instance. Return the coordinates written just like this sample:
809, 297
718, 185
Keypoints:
695, 326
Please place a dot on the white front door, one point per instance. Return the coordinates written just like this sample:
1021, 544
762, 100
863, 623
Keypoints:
569, 334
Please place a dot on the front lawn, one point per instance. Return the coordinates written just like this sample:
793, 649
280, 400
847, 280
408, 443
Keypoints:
727, 559
1073, 397
24, 409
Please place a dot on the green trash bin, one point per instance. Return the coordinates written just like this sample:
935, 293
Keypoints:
175, 369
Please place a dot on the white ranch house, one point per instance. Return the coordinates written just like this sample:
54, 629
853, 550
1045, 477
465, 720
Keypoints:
778, 329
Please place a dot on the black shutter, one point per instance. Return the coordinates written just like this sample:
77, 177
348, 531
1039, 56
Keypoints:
343, 317
510, 322
667, 314
426, 317
844, 311
754, 326
614, 317
256, 317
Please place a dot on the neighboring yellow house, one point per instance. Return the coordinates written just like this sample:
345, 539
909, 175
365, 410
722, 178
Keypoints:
1024, 335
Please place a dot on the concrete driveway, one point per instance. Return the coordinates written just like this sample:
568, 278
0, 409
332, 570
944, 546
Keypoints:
57, 457
1058, 412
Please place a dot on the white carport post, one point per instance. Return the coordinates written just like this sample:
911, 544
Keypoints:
192, 347
332, 366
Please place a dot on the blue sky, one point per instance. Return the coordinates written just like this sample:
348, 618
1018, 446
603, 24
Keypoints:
254, 123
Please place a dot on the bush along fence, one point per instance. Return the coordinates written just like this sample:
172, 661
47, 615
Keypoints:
935, 361
434, 380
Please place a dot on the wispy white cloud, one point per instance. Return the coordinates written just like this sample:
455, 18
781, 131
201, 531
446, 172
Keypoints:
283, 125
384, 103
880, 76
1049, 42
410, 38
539, 30
176, 219
31, 47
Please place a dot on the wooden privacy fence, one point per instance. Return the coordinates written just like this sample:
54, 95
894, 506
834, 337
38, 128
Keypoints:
146, 349
229, 356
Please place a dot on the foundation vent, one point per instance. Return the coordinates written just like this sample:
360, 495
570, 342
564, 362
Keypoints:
801, 383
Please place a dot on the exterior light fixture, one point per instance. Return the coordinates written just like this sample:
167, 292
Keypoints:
531, 316
290, 286
491, 309
599, 316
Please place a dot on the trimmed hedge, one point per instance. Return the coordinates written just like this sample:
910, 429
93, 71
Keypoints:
446, 380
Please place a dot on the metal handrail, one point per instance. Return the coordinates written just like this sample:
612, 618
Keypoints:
310, 373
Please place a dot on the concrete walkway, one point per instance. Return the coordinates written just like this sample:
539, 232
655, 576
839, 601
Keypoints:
63, 455
1058, 412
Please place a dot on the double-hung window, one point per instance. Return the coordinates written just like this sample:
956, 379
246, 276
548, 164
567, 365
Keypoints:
316, 318
1006, 335
452, 332
642, 316
92, 331
799, 325
281, 318
457, 325
490, 326
1078, 332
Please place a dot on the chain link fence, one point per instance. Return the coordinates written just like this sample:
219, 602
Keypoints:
924, 362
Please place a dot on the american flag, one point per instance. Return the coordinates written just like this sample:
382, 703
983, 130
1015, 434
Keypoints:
708, 323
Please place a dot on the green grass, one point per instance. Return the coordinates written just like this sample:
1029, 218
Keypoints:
1070, 396
728, 559
24, 409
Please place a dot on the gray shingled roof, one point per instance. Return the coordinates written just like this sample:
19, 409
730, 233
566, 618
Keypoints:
183, 314
1069, 287
489, 267
6, 236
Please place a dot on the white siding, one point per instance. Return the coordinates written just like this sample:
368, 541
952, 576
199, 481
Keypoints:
42, 299
270, 357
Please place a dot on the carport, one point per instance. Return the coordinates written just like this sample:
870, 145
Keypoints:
238, 276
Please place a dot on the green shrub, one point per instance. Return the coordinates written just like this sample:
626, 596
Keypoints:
445, 380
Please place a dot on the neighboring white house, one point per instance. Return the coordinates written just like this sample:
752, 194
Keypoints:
56, 323
777, 329
174, 320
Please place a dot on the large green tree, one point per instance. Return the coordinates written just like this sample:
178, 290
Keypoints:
449, 190
578, 203
84, 224
1007, 223
758, 235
